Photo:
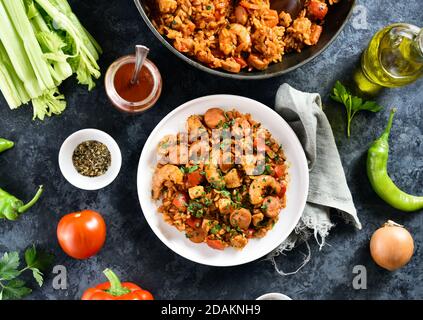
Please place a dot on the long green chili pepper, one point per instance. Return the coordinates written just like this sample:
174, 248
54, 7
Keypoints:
11, 207
377, 160
5, 145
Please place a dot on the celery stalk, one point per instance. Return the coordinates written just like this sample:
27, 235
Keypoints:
17, 13
51, 44
85, 62
16, 51
64, 7
51, 102
10, 85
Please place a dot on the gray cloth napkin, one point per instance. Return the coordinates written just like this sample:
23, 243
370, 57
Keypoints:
328, 186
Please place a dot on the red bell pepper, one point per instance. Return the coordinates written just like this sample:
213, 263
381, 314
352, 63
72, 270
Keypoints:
115, 290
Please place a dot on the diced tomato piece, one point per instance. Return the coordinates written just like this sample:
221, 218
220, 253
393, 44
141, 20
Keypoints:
194, 222
215, 244
317, 9
283, 190
279, 170
194, 179
259, 142
250, 233
241, 62
180, 202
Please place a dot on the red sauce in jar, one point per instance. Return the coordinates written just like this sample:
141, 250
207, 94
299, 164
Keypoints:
133, 92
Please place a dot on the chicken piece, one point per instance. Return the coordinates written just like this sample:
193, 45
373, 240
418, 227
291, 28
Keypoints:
196, 192
167, 6
239, 241
285, 19
224, 205
232, 179
166, 173
316, 32
257, 218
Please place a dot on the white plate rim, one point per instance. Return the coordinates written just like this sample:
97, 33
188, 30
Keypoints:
213, 102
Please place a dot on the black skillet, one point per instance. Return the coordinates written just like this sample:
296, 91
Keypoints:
335, 21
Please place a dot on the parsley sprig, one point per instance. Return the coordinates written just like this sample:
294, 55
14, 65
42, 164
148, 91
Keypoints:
353, 104
11, 287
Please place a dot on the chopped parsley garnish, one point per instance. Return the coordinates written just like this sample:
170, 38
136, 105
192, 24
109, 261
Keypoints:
225, 193
195, 209
215, 229
192, 169
268, 169
238, 197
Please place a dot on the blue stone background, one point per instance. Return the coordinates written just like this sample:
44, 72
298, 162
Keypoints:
133, 251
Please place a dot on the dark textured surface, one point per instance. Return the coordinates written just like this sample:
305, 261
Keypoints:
132, 249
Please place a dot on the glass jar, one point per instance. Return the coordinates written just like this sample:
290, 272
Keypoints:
124, 105
394, 56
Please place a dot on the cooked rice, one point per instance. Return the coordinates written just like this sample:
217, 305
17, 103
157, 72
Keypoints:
235, 34
211, 215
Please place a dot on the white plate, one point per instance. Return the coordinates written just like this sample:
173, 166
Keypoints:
296, 193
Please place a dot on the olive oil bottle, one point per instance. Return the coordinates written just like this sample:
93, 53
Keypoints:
393, 58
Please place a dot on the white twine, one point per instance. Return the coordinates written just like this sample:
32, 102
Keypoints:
307, 258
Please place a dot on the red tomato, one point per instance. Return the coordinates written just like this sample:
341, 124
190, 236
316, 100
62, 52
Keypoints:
194, 179
81, 234
215, 244
194, 222
180, 202
317, 9
250, 233
279, 170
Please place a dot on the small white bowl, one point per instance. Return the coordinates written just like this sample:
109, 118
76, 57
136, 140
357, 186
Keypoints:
68, 169
274, 296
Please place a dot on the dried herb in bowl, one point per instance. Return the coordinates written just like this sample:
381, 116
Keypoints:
91, 158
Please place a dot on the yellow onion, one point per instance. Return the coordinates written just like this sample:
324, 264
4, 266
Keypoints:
391, 246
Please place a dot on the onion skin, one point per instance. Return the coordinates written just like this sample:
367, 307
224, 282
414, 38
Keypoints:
391, 246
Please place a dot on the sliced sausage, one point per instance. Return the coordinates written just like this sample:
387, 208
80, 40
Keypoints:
240, 218
271, 207
214, 117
